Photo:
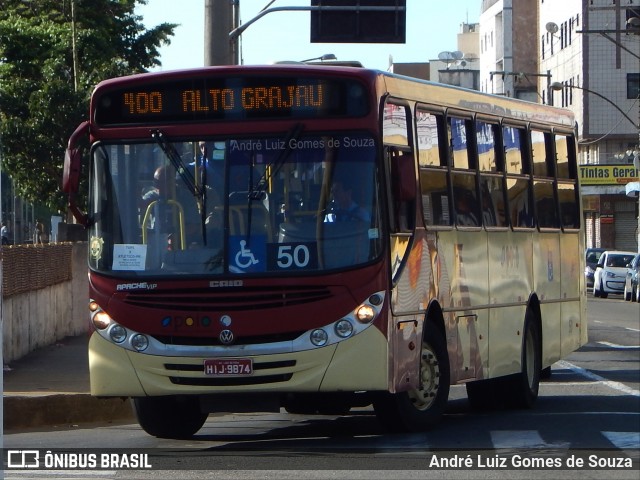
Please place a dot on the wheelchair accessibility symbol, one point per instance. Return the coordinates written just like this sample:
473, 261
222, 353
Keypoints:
247, 256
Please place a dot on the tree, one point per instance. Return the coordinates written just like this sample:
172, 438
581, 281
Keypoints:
43, 97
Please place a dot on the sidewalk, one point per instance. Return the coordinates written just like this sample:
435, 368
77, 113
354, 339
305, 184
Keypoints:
50, 387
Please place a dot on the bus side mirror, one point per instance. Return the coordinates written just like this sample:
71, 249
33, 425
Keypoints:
73, 161
72, 170
404, 180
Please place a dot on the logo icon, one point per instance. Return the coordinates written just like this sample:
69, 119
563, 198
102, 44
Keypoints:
23, 459
226, 337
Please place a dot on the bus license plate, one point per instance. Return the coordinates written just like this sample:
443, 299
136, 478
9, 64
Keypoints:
228, 367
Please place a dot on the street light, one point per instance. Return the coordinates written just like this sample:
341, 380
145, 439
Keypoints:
559, 86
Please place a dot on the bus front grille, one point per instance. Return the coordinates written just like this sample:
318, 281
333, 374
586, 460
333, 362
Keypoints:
226, 299
200, 341
230, 381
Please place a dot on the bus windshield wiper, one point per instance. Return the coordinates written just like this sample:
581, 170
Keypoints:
174, 157
257, 190
273, 167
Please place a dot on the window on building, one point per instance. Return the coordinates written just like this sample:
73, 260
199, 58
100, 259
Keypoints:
633, 12
633, 85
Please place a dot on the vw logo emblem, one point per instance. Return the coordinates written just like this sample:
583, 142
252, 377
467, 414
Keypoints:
226, 337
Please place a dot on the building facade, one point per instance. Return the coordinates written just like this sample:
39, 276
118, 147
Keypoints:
588, 60
592, 49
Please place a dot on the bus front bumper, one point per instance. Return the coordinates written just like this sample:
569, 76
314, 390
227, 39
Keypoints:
356, 364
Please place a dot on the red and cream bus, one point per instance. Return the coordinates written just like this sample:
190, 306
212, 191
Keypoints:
319, 238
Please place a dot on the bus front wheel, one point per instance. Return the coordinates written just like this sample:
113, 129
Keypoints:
169, 417
419, 409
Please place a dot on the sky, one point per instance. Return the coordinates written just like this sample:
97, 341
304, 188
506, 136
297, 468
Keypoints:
432, 27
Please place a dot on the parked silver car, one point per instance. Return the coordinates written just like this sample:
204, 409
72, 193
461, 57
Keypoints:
611, 272
632, 281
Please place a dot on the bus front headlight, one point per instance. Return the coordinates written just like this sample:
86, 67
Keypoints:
344, 328
365, 313
118, 333
319, 337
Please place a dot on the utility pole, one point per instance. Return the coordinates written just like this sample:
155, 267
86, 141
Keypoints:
220, 18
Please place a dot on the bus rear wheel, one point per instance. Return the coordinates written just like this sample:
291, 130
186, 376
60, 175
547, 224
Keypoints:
419, 409
527, 382
169, 417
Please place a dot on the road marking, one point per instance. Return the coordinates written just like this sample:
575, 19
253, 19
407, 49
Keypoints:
521, 439
619, 347
597, 378
623, 440
633, 329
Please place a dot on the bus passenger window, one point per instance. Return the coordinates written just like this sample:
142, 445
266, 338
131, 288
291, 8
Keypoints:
459, 145
542, 156
428, 139
514, 151
520, 209
485, 140
435, 197
467, 208
569, 210
545, 204
492, 199
563, 158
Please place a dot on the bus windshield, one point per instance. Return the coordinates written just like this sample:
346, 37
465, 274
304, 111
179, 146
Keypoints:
281, 204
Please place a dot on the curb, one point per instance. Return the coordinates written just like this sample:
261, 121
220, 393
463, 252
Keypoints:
32, 411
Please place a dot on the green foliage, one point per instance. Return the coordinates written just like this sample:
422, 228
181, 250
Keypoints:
43, 97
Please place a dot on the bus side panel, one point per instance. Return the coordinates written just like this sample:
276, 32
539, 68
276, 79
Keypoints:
547, 286
469, 287
510, 275
573, 286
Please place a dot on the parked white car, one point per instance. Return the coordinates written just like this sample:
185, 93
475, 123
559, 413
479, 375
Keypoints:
611, 272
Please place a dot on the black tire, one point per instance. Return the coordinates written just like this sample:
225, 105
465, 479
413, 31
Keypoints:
601, 292
545, 373
626, 294
527, 382
169, 417
418, 410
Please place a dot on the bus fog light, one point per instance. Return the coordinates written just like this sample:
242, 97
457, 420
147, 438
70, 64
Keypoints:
118, 333
344, 328
101, 320
365, 314
319, 337
375, 299
139, 342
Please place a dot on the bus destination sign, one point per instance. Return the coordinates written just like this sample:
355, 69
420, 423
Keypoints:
229, 99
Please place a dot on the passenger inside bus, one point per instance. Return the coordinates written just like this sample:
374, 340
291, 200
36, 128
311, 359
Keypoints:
464, 210
343, 207
169, 209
